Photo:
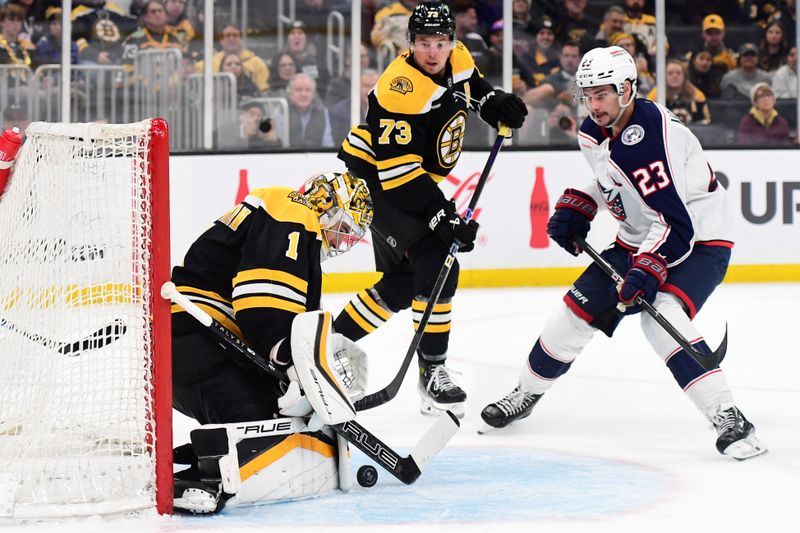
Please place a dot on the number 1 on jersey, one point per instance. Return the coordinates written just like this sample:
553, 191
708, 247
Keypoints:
291, 250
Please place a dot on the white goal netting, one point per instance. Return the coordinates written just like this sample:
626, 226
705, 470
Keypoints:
77, 426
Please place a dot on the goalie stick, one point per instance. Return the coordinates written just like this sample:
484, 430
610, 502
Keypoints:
94, 341
707, 361
407, 469
390, 391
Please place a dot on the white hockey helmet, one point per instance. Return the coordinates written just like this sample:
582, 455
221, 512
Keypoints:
344, 207
607, 66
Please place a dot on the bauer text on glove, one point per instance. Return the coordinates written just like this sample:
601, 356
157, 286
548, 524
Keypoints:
645, 278
445, 221
574, 212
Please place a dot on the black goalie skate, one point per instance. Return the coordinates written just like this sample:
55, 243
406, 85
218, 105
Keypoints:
516, 405
438, 391
736, 436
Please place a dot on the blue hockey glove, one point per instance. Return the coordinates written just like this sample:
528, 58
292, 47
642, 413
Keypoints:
500, 106
574, 212
445, 221
645, 278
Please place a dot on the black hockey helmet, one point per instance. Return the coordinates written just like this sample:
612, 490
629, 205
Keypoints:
431, 18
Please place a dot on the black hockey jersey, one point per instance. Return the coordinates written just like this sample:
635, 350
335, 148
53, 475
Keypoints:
255, 269
414, 128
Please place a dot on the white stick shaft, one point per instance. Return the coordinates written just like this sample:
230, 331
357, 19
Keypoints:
170, 292
434, 440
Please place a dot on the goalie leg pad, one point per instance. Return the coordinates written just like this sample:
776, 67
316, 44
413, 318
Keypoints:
315, 364
217, 456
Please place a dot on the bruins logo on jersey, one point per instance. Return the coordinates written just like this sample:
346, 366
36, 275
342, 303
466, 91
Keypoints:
299, 198
402, 85
451, 139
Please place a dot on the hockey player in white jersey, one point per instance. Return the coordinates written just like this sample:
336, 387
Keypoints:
673, 247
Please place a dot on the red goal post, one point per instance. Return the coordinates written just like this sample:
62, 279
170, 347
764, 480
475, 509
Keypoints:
85, 339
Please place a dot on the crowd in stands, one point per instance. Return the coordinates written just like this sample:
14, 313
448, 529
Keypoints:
731, 63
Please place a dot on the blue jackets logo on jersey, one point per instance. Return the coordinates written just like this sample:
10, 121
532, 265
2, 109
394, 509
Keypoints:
632, 135
402, 85
613, 201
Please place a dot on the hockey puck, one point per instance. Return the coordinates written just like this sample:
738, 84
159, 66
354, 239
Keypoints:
367, 476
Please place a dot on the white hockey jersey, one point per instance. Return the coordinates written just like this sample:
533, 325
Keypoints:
654, 179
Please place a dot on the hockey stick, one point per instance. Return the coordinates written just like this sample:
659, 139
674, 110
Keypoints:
390, 391
96, 340
707, 361
407, 469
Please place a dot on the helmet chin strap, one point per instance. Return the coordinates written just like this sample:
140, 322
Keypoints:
622, 107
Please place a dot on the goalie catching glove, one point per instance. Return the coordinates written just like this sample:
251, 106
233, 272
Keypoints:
328, 374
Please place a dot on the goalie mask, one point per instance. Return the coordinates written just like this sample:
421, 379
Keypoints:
344, 207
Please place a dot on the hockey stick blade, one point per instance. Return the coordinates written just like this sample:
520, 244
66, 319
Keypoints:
96, 340
390, 391
709, 361
406, 469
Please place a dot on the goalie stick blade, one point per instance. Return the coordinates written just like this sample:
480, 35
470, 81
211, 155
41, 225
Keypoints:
406, 469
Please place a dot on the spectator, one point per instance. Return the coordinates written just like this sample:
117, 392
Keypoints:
339, 87
282, 70
559, 82
32, 18
784, 82
522, 17
13, 50
48, 48
309, 122
494, 71
545, 55
15, 116
574, 23
391, 25
151, 35
340, 111
738, 82
245, 87
99, 32
714, 42
466, 32
639, 23
783, 11
685, 100
772, 50
705, 74
306, 56
245, 133
253, 66
631, 45
613, 22
762, 125
179, 24
562, 122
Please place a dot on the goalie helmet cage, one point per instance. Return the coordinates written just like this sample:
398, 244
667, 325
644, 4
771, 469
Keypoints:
85, 351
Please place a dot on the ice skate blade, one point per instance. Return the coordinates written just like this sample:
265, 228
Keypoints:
746, 448
430, 408
486, 428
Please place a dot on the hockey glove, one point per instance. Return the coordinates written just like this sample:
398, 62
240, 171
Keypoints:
574, 212
645, 278
445, 222
499, 106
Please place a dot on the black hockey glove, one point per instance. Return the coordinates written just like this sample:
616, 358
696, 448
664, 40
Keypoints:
645, 278
445, 221
574, 212
500, 106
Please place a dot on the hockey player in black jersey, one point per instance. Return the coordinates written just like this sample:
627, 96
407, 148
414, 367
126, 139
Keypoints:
257, 271
672, 248
411, 140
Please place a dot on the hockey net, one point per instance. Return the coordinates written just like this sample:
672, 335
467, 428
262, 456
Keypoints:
85, 412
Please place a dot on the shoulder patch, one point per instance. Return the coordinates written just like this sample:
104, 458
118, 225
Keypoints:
401, 84
298, 198
632, 135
